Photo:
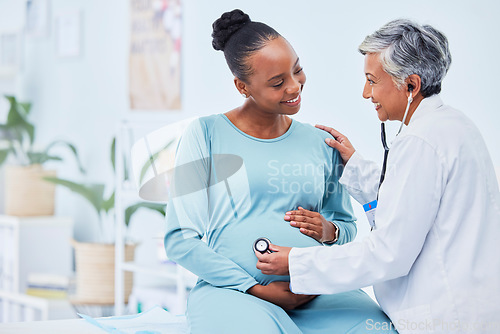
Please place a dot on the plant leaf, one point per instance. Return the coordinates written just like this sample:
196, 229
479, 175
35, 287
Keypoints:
125, 170
109, 203
26, 106
11, 98
30, 129
17, 119
92, 192
3, 155
160, 208
41, 157
16, 113
71, 147
113, 160
148, 163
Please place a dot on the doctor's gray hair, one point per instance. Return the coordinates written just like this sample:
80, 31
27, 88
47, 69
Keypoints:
406, 48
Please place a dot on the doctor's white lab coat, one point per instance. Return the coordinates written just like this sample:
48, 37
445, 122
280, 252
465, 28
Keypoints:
434, 258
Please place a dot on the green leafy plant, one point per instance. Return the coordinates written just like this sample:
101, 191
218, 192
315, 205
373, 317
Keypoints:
17, 137
95, 194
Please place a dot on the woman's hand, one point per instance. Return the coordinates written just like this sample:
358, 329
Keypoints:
341, 143
279, 293
312, 224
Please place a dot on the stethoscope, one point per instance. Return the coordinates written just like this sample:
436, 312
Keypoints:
384, 137
261, 245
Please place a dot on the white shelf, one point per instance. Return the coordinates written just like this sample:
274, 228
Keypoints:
45, 221
125, 194
33, 245
168, 271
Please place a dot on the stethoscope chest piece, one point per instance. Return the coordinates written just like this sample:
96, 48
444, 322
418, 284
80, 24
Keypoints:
261, 245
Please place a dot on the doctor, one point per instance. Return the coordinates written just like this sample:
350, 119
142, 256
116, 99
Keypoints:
433, 255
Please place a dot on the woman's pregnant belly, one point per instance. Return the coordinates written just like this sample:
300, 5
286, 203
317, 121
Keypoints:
235, 241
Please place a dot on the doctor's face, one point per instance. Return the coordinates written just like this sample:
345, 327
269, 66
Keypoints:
390, 102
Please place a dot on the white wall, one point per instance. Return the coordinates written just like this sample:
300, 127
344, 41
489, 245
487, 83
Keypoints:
83, 98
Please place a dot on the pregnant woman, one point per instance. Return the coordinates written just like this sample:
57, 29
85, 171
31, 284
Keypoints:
236, 175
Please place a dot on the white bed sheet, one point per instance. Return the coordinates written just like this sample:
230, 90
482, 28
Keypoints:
154, 321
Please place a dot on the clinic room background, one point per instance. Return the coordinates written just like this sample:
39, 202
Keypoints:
82, 99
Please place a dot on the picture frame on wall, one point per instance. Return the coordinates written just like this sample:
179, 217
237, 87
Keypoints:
68, 32
10, 54
37, 18
155, 55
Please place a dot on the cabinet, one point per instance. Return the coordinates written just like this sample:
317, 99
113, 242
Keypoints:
33, 245
127, 193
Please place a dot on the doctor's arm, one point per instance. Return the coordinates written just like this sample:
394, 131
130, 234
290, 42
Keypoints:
408, 204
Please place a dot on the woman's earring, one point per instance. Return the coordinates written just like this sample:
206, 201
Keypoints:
244, 95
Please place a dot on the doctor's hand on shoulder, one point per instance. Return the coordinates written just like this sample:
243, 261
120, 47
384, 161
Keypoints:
279, 293
341, 143
312, 224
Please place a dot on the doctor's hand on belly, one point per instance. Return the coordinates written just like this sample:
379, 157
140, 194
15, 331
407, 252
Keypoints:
312, 224
279, 293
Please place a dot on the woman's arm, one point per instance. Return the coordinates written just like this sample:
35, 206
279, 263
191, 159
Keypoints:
279, 293
187, 220
336, 207
187, 215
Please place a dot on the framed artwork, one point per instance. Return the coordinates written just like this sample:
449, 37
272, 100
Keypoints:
10, 54
155, 55
37, 18
68, 33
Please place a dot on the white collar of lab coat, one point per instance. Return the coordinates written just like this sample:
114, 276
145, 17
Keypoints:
428, 104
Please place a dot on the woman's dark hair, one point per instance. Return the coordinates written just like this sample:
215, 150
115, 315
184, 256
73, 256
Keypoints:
239, 37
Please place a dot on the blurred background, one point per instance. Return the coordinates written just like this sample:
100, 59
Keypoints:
90, 72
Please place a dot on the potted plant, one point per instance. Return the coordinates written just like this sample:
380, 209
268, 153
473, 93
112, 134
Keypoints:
95, 261
26, 193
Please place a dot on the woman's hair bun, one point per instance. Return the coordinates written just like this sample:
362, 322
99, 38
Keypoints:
226, 26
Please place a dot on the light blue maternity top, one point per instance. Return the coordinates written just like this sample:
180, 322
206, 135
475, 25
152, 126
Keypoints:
229, 189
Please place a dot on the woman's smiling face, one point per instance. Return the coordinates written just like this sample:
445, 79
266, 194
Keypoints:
389, 100
277, 79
